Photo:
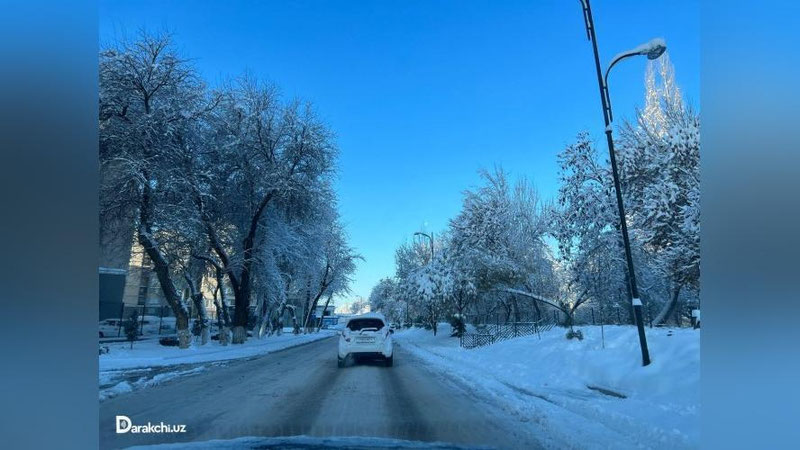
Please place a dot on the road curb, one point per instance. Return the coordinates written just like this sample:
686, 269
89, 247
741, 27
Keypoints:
221, 361
286, 348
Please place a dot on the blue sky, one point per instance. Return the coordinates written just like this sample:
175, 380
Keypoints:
422, 94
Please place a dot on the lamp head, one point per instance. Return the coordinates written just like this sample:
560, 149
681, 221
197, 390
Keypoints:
656, 51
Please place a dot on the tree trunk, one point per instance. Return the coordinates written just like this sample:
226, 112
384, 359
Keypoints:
197, 299
295, 323
516, 308
277, 323
239, 334
161, 268
226, 318
242, 293
676, 312
538, 311
241, 305
314, 304
241, 286
460, 311
433, 320
570, 317
322, 317
222, 309
234, 281
264, 316
223, 327
307, 307
668, 309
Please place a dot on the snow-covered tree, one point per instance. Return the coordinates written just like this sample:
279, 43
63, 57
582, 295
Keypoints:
414, 272
384, 297
498, 239
659, 158
586, 227
150, 103
358, 306
270, 154
234, 184
495, 243
335, 268
429, 287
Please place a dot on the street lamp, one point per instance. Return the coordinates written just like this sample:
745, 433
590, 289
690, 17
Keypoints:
652, 50
430, 237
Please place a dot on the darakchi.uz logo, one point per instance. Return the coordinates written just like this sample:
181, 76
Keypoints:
124, 425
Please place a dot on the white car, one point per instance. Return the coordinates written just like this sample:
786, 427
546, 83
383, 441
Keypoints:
366, 336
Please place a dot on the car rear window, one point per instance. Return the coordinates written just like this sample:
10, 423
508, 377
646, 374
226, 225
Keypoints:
360, 324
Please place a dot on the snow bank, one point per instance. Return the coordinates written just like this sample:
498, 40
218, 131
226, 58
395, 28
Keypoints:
545, 381
152, 354
124, 387
123, 369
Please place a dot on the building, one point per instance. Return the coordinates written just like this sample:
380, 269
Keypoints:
329, 318
115, 254
136, 288
329, 311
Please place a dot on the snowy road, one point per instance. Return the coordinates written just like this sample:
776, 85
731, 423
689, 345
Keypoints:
300, 391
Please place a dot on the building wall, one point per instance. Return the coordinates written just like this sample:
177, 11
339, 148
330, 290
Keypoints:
114, 253
143, 288
137, 285
331, 310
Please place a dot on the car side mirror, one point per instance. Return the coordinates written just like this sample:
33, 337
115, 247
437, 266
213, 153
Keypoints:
391, 330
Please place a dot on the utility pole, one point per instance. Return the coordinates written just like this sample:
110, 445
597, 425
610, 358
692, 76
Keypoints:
652, 50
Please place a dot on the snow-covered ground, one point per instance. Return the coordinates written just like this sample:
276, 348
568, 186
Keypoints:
151, 354
545, 382
148, 363
126, 386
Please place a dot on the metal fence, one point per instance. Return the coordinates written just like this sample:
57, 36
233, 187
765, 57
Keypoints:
486, 329
472, 340
152, 320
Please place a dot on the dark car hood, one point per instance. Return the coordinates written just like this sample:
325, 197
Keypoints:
315, 443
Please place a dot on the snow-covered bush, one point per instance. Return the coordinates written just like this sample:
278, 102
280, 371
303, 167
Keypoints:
458, 325
575, 334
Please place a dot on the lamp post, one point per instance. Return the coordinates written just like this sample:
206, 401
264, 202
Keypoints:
652, 50
430, 262
430, 237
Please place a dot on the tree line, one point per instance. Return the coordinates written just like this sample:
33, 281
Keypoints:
232, 182
510, 252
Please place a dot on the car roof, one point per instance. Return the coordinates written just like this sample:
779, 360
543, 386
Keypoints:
371, 315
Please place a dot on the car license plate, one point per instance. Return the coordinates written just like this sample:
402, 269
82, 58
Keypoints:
365, 340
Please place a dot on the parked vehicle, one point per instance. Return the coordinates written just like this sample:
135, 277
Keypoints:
366, 336
110, 328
